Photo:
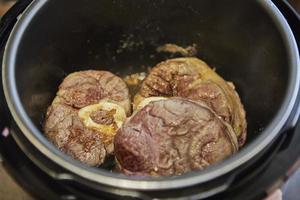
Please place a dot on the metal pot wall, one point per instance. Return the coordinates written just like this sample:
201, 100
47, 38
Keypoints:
248, 42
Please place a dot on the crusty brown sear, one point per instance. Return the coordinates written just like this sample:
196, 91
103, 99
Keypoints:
194, 79
75, 126
171, 137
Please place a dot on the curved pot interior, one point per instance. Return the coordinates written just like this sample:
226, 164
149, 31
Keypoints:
236, 37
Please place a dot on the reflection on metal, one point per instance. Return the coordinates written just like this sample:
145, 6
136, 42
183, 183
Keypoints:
5, 132
69, 197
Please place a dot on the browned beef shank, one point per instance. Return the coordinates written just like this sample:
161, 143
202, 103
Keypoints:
172, 137
84, 116
194, 79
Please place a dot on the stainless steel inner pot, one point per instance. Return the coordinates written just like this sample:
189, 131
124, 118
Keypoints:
248, 42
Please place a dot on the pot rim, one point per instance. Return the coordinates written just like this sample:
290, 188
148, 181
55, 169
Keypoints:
37, 138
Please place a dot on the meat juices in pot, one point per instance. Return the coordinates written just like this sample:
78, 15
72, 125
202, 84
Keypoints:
193, 79
171, 137
83, 118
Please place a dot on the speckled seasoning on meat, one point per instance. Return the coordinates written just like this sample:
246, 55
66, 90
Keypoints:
172, 137
82, 119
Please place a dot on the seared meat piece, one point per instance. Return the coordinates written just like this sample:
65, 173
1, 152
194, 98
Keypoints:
193, 79
89, 108
65, 129
84, 88
172, 137
175, 49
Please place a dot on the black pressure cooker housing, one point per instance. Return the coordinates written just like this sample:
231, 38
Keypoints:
45, 179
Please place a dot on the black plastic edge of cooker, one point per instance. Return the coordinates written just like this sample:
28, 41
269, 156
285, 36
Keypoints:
293, 18
7, 23
17, 170
161, 188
